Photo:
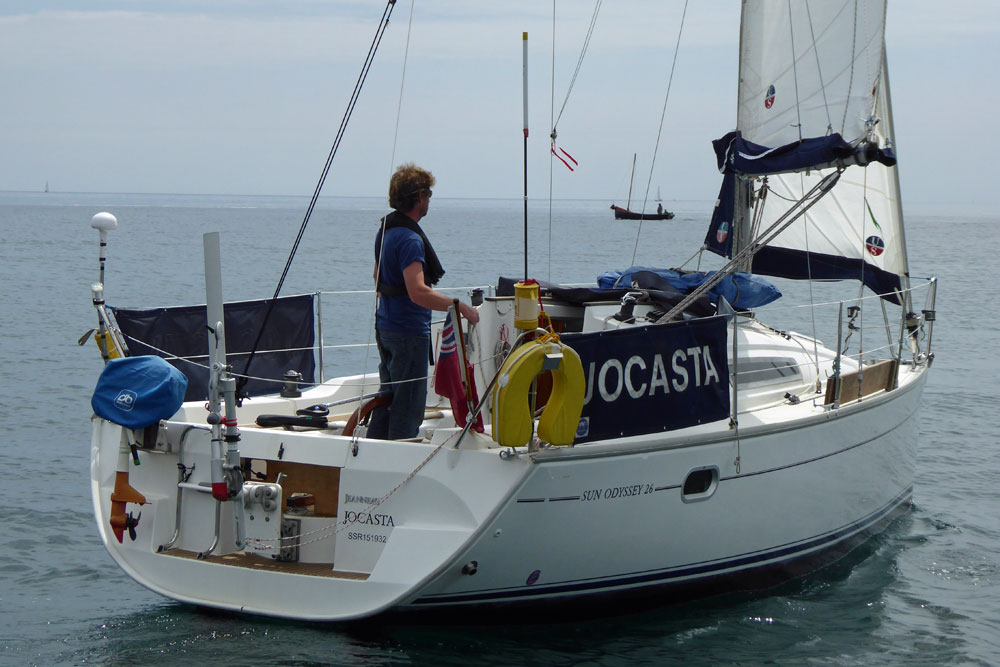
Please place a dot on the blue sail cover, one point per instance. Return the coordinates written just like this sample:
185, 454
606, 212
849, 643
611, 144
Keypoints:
786, 263
735, 154
719, 238
742, 290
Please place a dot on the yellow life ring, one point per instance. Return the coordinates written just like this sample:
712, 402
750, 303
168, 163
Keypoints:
512, 419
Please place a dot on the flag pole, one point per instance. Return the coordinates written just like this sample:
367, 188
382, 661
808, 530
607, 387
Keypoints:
524, 41
463, 365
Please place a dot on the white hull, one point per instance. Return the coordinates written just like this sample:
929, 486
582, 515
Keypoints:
625, 523
474, 528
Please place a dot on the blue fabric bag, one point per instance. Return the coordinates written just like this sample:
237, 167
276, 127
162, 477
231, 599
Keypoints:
742, 290
136, 392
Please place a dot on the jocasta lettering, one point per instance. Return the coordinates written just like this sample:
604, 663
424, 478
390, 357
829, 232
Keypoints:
369, 518
638, 378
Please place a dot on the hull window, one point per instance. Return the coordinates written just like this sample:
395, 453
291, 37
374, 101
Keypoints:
700, 484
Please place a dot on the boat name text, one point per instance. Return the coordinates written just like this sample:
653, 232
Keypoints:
691, 367
350, 516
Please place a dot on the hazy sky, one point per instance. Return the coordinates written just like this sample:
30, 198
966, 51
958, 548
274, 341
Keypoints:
245, 96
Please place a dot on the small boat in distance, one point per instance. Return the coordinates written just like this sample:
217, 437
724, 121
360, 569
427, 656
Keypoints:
627, 214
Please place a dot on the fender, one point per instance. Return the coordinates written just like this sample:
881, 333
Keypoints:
512, 418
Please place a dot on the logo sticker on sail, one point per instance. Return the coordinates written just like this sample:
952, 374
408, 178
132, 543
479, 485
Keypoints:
875, 245
769, 98
722, 232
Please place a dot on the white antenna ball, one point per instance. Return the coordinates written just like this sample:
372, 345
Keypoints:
104, 221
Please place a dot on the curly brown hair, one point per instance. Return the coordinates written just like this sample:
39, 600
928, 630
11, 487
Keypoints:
406, 184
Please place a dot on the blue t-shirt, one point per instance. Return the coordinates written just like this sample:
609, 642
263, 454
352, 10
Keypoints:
401, 248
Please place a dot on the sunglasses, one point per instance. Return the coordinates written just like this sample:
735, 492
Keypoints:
430, 193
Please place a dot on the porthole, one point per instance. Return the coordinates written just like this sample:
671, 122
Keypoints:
700, 484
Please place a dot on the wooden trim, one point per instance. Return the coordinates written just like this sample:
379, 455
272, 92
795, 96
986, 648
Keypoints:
256, 562
870, 379
322, 482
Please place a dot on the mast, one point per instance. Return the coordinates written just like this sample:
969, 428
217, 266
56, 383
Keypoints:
890, 135
741, 207
628, 203
524, 81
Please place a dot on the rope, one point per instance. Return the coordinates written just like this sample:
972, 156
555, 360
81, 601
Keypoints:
659, 132
819, 70
392, 160
850, 79
795, 71
812, 311
355, 94
579, 62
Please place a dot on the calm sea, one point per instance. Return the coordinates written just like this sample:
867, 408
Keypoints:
925, 593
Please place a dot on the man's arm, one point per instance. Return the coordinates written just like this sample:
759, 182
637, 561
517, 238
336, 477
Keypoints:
423, 295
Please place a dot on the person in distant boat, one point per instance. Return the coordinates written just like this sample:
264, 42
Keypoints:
659, 209
406, 267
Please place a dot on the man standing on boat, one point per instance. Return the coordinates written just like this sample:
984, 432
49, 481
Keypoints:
405, 268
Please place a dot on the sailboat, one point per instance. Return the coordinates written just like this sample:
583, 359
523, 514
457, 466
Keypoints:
686, 446
628, 214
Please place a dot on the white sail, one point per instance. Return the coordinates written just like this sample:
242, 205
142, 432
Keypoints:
856, 230
808, 69
859, 221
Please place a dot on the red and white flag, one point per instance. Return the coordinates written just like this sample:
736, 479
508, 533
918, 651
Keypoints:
448, 378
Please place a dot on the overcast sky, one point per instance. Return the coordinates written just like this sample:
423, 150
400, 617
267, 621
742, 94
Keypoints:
245, 96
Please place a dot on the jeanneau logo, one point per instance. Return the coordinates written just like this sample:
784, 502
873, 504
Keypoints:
722, 232
769, 98
875, 245
126, 400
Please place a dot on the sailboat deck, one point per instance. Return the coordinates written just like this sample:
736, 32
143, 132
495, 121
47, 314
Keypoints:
255, 562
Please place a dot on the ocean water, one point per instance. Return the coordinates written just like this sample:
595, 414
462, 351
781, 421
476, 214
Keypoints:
923, 593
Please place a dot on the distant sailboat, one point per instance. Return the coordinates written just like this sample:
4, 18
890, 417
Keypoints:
627, 214
46, 186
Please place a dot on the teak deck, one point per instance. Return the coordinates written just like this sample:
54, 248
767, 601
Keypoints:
255, 562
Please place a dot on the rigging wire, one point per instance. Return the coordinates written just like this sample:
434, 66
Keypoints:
666, 98
795, 70
355, 94
854, 51
812, 300
392, 162
579, 62
819, 70
554, 123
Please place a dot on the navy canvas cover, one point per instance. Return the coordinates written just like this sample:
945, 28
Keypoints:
181, 332
735, 154
719, 238
651, 379
742, 290
795, 264
136, 392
